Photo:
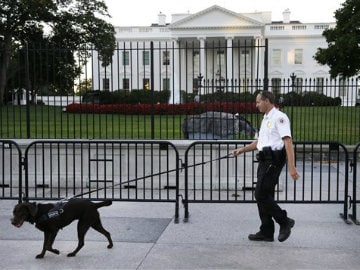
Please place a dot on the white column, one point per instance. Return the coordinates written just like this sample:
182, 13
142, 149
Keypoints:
95, 70
259, 58
175, 93
229, 59
202, 61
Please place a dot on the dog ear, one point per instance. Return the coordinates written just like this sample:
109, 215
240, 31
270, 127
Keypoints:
32, 208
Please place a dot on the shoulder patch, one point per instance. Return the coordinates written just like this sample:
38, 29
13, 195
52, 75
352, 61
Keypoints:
282, 120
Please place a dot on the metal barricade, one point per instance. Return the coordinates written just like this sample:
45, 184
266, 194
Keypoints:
211, 175
130, 170
354, 200
10, 170
148, 171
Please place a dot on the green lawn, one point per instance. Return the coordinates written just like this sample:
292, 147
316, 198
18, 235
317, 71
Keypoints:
340, 124
51, 122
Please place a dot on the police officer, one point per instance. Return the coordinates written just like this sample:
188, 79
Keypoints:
274, 144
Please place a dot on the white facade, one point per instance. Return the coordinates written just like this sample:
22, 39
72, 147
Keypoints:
291, 47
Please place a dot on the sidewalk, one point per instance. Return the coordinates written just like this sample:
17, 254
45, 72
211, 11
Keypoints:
146, 237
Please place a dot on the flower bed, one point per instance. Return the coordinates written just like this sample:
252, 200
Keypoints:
163, 109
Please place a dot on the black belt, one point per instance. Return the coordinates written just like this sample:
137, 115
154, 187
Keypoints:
268, 154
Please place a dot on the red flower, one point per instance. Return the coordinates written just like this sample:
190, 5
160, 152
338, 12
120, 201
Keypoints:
164, 109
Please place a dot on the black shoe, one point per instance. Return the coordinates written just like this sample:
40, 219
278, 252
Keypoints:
260, 237
285, 230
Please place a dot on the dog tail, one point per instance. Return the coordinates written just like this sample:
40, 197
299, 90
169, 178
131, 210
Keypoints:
104, 203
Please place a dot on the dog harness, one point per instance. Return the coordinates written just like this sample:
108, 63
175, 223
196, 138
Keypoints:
53, 213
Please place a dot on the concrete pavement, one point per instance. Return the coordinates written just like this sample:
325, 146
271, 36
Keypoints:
146, 237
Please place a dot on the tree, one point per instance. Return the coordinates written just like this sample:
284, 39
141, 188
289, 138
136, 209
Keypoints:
343, 52
61, 24
84, 86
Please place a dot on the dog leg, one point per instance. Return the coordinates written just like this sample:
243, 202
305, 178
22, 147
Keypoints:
41, 255
98, 227
51, 242
49, 238
82, 229
45, 244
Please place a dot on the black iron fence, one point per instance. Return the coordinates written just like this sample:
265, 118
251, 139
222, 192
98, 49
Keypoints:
150, 171
162, 85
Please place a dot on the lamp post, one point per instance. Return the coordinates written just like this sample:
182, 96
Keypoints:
200, 77
293, 77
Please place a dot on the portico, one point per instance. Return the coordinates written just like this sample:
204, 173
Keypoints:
222, 47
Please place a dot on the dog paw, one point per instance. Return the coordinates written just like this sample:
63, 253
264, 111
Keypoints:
72, 254
110, 246
39, 256
55, 251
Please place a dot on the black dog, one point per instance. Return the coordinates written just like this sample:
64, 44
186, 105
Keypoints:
49, 218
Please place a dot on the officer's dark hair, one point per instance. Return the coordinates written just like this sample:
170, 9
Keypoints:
267, 95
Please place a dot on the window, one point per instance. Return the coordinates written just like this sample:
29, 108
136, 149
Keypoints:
125, 58
245, 56
166, 84
298, 57
166, 58
319, 85
146, 58
146, 84
220, 62
196, 53
276, 85
195, 83
106, 84
126, 83
276, 57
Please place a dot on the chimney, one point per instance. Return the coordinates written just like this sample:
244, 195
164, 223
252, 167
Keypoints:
162, 19
286, 16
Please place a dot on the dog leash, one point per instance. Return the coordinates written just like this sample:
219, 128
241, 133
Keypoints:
208, 161
148, 176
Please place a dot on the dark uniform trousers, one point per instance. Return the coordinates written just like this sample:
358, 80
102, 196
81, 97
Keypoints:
269, 169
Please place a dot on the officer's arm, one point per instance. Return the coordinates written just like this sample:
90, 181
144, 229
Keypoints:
246, 148
290, 157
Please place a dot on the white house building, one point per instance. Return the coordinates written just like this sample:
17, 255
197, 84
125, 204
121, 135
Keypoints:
217, 47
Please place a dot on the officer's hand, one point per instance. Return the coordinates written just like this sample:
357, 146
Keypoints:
237, 151
294, 173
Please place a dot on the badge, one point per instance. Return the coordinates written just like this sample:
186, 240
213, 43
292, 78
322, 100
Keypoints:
268, 124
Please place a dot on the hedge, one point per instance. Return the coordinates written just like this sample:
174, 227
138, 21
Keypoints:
309, 99
125, 96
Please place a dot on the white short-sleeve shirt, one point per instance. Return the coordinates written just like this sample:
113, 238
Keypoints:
274, 127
